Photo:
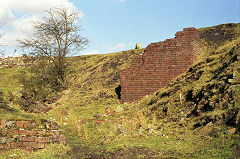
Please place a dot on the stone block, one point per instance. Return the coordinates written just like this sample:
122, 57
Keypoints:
10, 124
3, 140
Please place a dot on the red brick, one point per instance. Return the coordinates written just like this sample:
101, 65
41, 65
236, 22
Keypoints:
39, 139
22, 124
30, 132
25, 124
14, 145
19, 124
160, 63
40, 132
15, 131
7, 146
26, 138
30, 138
37, 145
2, 146
101, 121
42, 139
46, 144
3, 122
21, 132
29, 149
24, 144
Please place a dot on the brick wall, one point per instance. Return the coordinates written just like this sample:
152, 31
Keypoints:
21, 61
159, 64
29, 135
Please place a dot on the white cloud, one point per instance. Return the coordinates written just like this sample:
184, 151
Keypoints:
16, 17
92, 52
5, 15
118, 47
34, 6
13, 55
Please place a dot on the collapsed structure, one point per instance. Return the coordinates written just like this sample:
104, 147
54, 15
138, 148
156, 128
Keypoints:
160, 63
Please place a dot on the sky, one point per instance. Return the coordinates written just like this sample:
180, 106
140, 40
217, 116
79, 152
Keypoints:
116, 25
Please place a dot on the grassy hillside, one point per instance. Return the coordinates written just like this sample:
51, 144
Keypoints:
193, 117
163, 124
9, 79
9, 88
218, 35
92, 82
182, 120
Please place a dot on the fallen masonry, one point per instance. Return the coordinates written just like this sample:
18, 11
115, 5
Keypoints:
29, 135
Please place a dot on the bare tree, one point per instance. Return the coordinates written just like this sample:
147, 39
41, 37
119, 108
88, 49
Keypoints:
56, 36
1, 52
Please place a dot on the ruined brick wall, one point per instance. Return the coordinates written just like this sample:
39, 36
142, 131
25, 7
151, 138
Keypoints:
159, 64
28, 135
13, 62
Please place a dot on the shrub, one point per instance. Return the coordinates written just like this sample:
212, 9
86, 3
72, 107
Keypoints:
40, 84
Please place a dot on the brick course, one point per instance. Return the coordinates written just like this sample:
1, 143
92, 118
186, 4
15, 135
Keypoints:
160, 63
21, 135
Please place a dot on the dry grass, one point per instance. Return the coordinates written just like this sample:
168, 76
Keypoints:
92, 81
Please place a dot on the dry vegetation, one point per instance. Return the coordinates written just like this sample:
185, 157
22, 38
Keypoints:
190, 118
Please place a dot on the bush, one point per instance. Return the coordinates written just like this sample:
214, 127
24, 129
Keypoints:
40, 83
3, 104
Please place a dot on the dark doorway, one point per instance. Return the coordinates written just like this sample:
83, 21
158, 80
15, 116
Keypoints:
118, 91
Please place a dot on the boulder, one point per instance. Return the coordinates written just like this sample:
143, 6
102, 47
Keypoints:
138, 46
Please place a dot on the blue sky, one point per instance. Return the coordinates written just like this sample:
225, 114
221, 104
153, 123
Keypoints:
116, 25
108, 23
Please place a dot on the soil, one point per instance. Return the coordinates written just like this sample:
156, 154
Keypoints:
218, 34
132, 152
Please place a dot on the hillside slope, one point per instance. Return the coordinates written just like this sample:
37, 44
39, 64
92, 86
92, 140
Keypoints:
204, 100
195, 116
208, 87
201, 102
211, 84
